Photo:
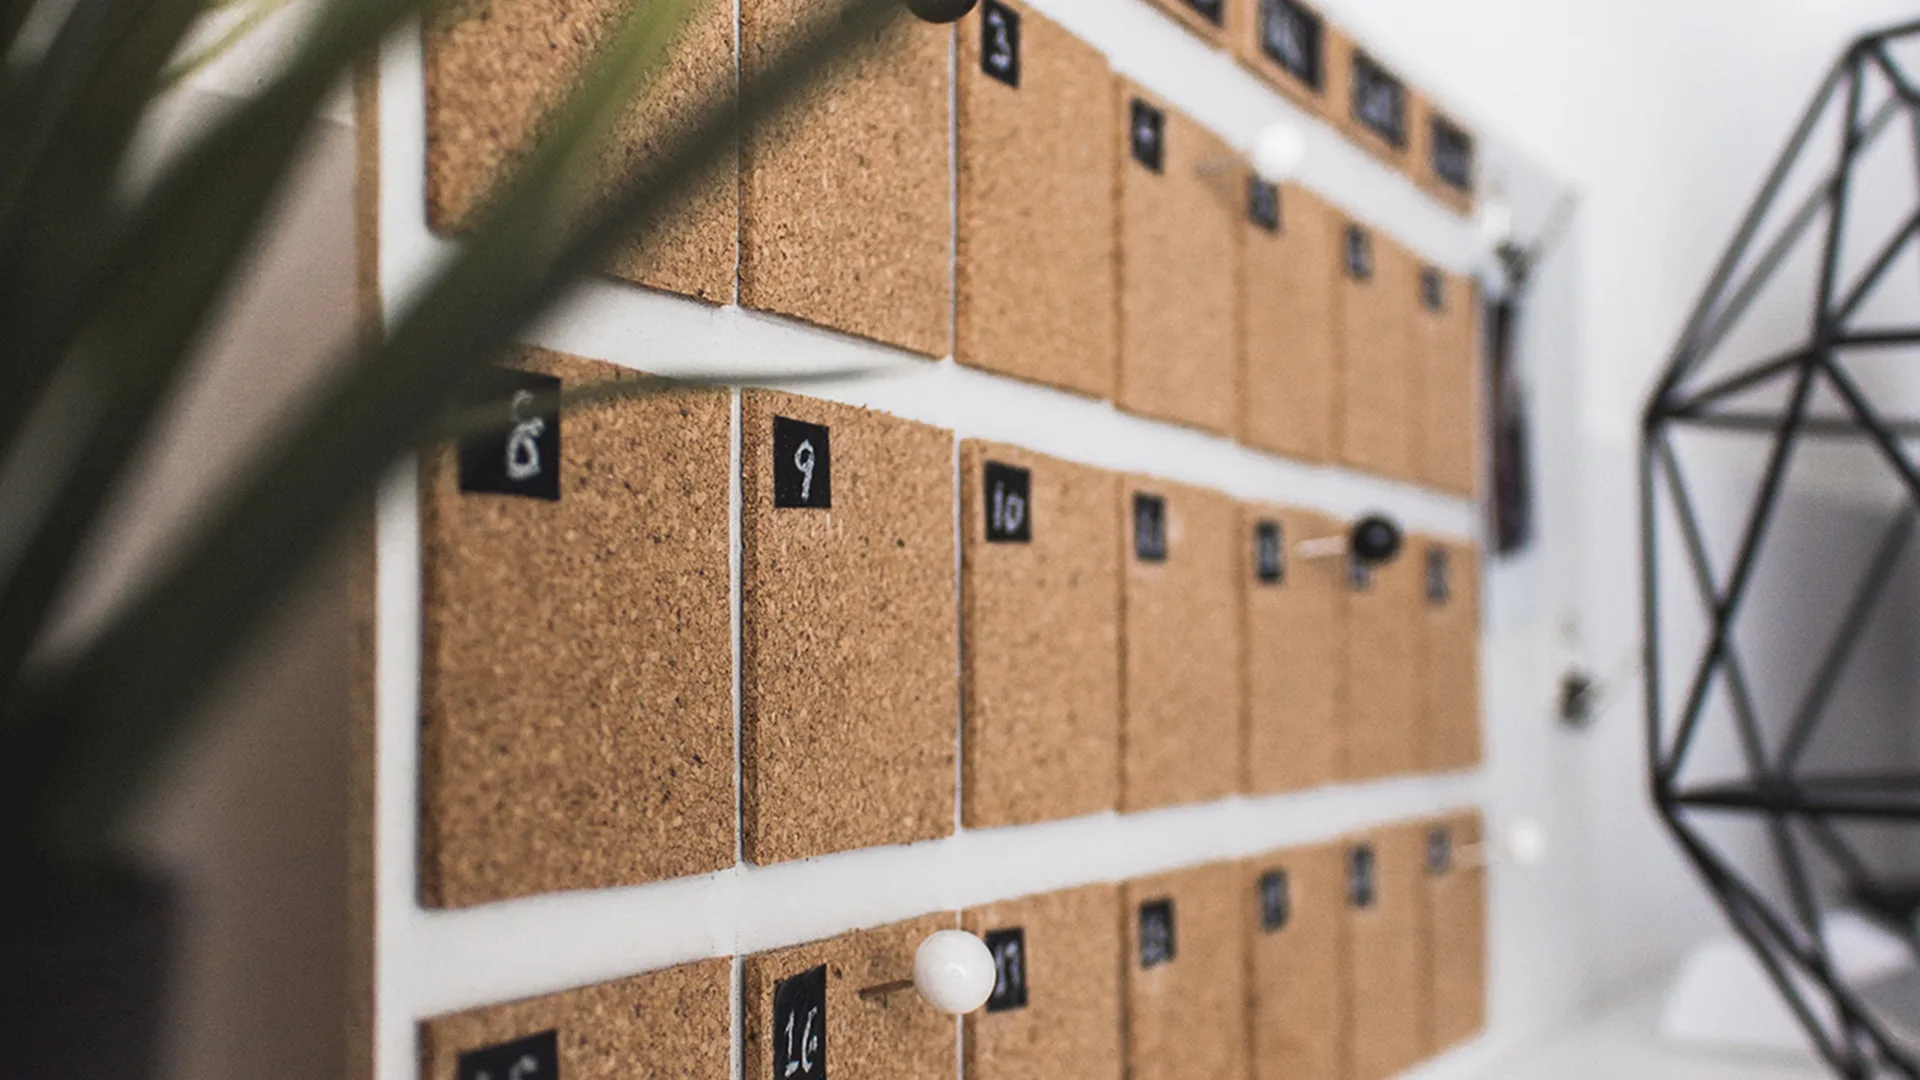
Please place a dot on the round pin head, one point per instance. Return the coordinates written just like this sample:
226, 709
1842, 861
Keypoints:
1375, 539
941, 11
954, 971
1277, 152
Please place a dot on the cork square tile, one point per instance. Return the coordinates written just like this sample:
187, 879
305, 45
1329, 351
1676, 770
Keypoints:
1295, 638
1297, 963
1446, 341
1386, 954
1457, 933
1056, 1010
576, 698
848, 629
1186, 971
1180, 733
803, 1016
1207, 18
1182, 197
1291, 46
846, 215
1451, 631
1040, 637
1381, 695
1290, 377
1036, 271
1376, 345
669, 1025
496, 70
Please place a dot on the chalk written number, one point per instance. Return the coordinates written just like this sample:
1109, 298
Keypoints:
802, 465
1439, 576
1290, 34
1157, 945
1276, 901
1009, 491
1379, 100
1269, 553
1148, 129
536, 1057
1361, 886
1000, 42
522, 456
1452, 155
1439, 852
800, 1026
1009, 949
1211, 10
1359, 253
1149, 528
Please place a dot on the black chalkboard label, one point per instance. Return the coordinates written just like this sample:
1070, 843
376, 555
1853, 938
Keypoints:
1291, 36
1362, 888
1263, 204
536, 1057
802, 465
1276, 901
1214, 11
800, 1026
1009, 949
1000, 42
1149, 528
1009, 504
1433, 289
1148, 135
1439, 576
521, 457
1439, 852
1358, 252
1157, 945
1452, 154
1379, 101
1269, 553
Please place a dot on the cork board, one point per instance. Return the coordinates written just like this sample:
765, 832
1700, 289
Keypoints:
1292, 47
897, 1036
1036, 270
1378, 288
1055, 1011
496, 70
1295, 633
1207, 18
1446, 353
1378, 109
1457, 936
1179, 257
1450, 598
846, 216
1381, 703
1386, 994
669, 1025
576, 698
847, 631
1297, 963
1444, 156
1187, 1009
1040, 653
1290, 371
1180, 632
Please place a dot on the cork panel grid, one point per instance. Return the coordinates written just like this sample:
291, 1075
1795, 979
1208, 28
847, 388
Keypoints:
1386, 952
1381, 696
1055, 1013
1182, 198
1451, 639
1040, 618
1290, 373
849, 686
1457, 933
576, 701
1295, 611
1180, 635
1296, 963
1446, 347
1186, 972
496, 70
668, 1025
1036, 271
1291, 46
1379, 285
846, 215
803, 1016
1207, 18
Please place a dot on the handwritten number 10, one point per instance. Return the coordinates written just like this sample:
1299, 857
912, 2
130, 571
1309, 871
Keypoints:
803, 1062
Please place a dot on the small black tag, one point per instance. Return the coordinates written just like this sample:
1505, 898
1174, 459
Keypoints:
1149, 528
1439, 576
1156, 933
1276, 901
1149, 136
1000, 42
1211, 10
1009, 949
1361, 886
1269, 553
523, 457
536, 1057
1290, 35
1440, 852
1009, 504
1359, 253
1433, 289
802, 465
1452, 155
1379, 100
1263, 204
800, 1026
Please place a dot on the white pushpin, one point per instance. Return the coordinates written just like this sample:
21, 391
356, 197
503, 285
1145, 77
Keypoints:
1275, 155
952, 969
1494, 222
1525, 844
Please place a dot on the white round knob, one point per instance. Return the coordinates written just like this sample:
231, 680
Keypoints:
954, 971
1495, 222
1527, 842
1278, 151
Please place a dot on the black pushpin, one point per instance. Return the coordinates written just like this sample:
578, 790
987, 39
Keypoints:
1374, 540
941, 11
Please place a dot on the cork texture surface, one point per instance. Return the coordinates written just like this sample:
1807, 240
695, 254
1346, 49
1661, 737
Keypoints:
1207, 18
1036, 271
1375, 358
1290, 373
1451, 633
849, 685
1386, 991
1446, 344
1249, 29
497, 69
668, 1025
1296, 972
1295, 636
1180, 633
576, 700
1457, 941
898, 1036
1040, 638
846, 216
1381, 699
1187, 1016
1070, 1027
1180, 237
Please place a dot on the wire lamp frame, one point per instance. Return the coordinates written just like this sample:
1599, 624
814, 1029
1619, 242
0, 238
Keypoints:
1867, 101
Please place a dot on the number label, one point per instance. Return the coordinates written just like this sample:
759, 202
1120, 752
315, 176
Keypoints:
1214, 11
1149, 528
1269, 553
1433, 289
1263, 204
1148, 136
1000, 42
1009, 504
1276, 901
800, 1026
1359, 253
1157, 944
802, 465
1440, 852
1362, 888
536, 1057
1290, 35
1009, 949
1452, 154
1379, 100
1439, 576
522, 455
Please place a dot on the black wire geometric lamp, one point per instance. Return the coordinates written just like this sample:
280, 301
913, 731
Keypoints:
1775, 368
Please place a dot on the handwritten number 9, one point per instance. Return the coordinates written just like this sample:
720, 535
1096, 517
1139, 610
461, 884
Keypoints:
803, 460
